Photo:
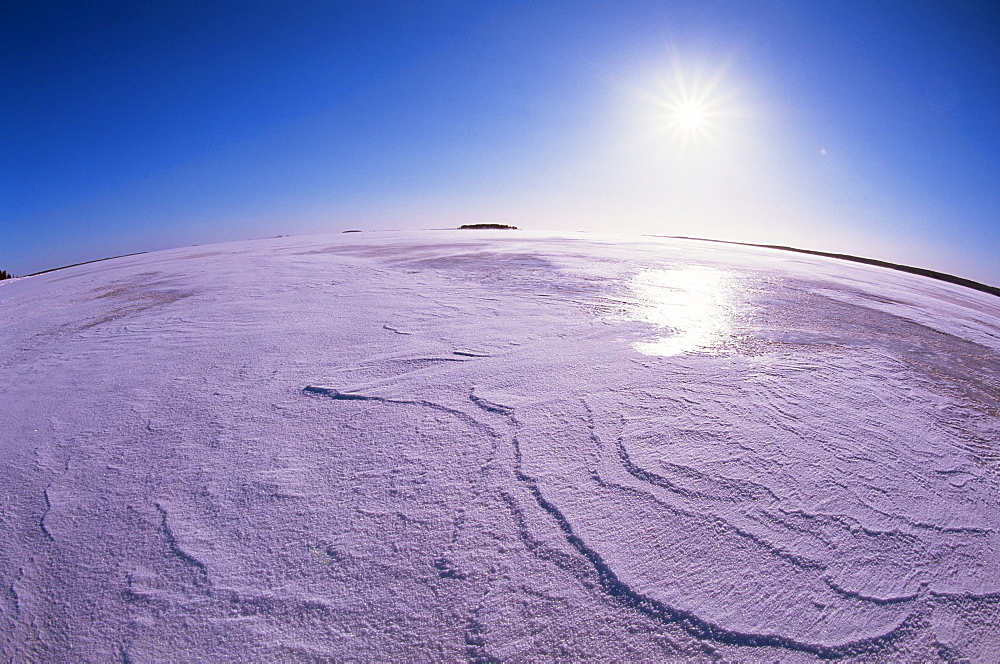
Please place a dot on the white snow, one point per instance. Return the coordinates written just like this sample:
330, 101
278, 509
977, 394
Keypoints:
454, 445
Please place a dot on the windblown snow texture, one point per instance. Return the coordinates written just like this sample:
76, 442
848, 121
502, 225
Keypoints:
443, 446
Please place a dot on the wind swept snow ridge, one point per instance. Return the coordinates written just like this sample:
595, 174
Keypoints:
443, 447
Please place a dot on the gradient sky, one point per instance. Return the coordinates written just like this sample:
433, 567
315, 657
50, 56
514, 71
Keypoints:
868, 128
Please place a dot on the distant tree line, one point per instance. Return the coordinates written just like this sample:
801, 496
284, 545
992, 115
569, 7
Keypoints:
478, 226
4, 274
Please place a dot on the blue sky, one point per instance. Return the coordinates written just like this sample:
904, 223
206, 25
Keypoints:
865, 128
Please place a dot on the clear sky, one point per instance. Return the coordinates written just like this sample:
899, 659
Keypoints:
870, 128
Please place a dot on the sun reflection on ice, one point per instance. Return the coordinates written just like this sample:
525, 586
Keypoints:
693, 303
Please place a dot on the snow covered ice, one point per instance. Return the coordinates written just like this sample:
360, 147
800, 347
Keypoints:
480, 446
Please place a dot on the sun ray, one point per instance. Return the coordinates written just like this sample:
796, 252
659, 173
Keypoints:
692, 104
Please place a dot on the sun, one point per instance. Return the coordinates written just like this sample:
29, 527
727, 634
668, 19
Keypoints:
691, 105
690, 118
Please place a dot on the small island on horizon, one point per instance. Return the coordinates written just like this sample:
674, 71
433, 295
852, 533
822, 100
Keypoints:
486, 226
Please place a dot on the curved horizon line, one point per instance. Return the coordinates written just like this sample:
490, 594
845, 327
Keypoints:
922, 271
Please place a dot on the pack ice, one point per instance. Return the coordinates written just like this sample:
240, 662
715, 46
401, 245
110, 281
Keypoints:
480, 446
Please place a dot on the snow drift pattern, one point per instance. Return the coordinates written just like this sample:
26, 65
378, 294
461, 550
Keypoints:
438, 447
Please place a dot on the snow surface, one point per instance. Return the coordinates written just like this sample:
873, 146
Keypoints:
462, 445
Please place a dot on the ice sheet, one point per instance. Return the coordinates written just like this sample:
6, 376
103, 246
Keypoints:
456, 445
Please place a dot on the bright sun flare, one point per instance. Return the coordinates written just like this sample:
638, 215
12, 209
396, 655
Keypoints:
690, 118
691, 105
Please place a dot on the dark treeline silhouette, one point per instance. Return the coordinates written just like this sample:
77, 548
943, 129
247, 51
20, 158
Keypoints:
4, 274
96, 260
478, 226
924, 272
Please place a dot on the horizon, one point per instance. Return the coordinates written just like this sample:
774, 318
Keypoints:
911, 269
833, 128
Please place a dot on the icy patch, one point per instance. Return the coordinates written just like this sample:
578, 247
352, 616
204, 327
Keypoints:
693, 305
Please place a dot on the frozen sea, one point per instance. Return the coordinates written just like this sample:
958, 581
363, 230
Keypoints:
497, 446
